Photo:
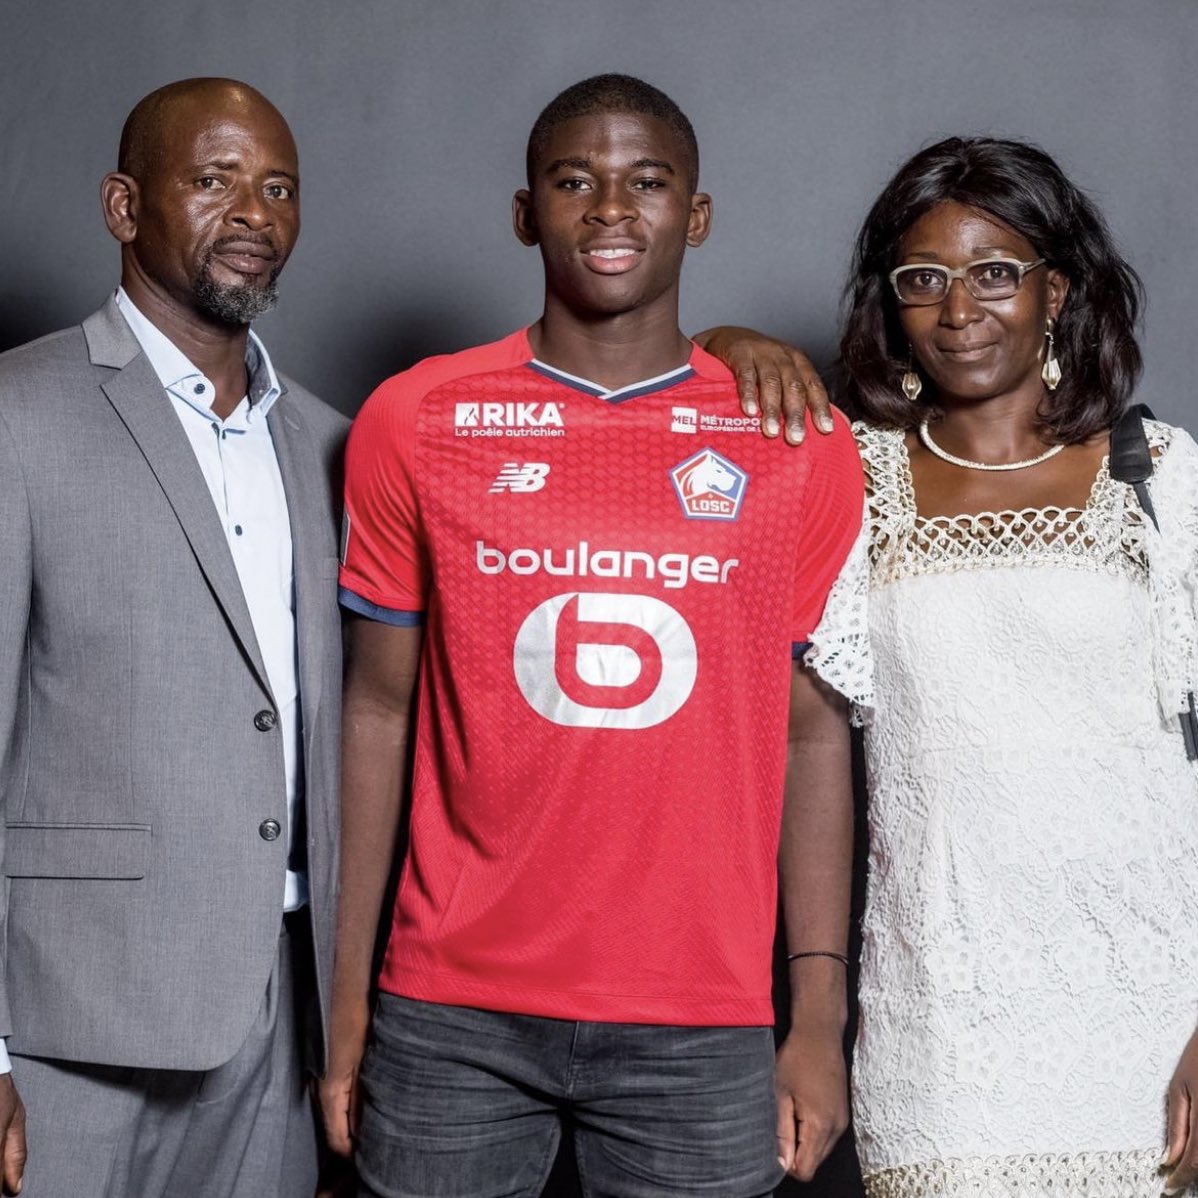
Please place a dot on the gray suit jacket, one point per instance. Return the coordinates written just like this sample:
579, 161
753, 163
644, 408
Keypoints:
143, 905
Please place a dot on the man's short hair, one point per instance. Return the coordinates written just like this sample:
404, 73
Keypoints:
142, 136
612, 93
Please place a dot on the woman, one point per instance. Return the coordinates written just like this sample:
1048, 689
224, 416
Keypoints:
1028, 974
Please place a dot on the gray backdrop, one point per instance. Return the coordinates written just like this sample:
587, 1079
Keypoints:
411, 117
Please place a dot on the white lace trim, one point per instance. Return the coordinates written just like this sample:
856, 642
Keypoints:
1110, 533
1107, 533
840, 652
1047, 1175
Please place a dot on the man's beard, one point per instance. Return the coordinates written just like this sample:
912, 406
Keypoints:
233, 303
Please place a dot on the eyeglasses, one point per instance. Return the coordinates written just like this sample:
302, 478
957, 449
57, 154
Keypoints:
924, 283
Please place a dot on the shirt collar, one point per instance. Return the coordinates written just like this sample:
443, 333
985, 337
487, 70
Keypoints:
183, 379
700, 362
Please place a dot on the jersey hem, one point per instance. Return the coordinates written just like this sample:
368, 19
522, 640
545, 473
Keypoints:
657, 1010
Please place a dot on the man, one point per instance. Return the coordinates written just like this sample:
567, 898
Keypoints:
169, 678
561, 534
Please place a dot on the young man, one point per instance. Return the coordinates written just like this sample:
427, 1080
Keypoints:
568, 532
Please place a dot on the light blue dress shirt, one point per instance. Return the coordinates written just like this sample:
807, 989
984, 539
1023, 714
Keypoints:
238, 460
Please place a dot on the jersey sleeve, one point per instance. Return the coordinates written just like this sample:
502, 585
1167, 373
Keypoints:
837, 646
384, 570
832, 501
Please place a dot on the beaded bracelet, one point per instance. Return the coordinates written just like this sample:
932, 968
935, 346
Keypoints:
835, 957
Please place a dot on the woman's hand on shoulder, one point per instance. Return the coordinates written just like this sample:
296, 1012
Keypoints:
774, 380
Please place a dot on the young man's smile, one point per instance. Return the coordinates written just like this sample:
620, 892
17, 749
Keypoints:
612, 256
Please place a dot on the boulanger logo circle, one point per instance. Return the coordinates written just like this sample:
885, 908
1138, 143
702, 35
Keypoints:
602, 660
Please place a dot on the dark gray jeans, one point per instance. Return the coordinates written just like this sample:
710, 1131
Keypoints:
461, 1103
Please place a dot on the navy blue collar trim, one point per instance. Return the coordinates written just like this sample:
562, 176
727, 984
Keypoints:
663, 382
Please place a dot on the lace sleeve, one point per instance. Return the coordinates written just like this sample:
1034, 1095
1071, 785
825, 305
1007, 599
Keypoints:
840, 652
1173, 565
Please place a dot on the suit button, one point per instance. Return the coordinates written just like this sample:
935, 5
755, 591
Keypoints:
264, 721
269, 829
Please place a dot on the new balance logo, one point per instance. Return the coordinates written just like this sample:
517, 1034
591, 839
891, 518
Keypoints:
521, 477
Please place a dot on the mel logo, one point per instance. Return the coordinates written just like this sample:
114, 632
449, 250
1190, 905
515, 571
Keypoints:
709, 486
684, 420
599, 660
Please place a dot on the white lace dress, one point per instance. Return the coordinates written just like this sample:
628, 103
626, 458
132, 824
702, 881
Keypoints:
1030, 967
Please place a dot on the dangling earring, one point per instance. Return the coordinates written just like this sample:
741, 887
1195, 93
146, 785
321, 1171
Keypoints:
912, 384
1050, 372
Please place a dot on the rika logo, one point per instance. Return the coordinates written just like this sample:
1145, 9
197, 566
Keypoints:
709, 487
520, 477
508, 420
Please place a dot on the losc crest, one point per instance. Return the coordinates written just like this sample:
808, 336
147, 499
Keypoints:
709, 486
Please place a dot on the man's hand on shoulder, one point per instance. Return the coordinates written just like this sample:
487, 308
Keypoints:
773, 379
12, 1128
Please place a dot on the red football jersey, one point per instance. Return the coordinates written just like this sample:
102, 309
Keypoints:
612, 583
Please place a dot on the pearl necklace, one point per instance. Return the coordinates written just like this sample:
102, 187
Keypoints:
926, 437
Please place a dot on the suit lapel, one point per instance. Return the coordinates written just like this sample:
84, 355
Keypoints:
140, 401
303, 484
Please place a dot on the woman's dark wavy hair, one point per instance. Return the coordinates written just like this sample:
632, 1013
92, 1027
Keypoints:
1025, 189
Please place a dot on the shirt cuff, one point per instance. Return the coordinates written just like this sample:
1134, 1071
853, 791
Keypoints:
5, 1061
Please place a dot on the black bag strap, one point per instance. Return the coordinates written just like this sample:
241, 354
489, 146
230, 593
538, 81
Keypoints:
1131, 459
1131, 462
